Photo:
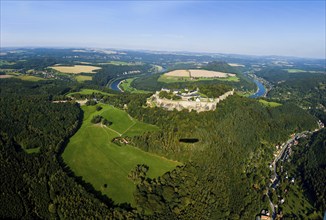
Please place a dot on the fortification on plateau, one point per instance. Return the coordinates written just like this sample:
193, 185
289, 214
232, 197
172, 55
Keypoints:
190, 100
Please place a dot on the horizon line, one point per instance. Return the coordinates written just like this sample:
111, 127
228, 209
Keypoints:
160, 50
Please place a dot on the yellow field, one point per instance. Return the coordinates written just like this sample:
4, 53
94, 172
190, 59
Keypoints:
198, 74
5, 76
236, 64
76, 69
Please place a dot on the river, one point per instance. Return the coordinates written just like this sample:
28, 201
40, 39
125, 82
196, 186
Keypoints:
260, 91
115, 84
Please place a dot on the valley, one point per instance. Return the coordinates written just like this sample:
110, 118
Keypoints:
153, 140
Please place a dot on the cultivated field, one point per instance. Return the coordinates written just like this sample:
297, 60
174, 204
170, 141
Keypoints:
198, 73
195, 74
91, 154
76, 69
5, 76
81, 78
178, 73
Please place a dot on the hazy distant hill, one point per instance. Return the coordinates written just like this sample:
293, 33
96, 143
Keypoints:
221, 66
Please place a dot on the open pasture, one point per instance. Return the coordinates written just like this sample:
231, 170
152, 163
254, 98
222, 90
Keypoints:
126, 86
269, 104
30, 78
89, 92
91, 154
81, 78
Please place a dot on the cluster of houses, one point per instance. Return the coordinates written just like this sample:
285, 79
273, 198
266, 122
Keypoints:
190, 100
131, 72
264, 215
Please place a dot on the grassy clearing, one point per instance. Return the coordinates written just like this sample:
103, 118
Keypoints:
125, 85
244, 94
295, 71
89, 92
30, 78
76, 69
269, 104
32, 150
81, 78
91, 154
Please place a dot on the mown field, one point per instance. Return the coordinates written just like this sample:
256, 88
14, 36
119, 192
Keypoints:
91, 154
76, 69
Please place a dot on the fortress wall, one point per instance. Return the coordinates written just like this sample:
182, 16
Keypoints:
203, 105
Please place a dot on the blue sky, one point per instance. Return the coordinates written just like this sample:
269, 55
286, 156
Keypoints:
295, 28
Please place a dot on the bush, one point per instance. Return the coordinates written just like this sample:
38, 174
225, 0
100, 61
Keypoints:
96, 119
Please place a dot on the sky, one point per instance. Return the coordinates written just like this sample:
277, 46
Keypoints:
286, 28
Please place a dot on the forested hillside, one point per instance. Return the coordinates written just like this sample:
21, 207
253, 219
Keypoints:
307, 168
224, 174
229, 169
38, 185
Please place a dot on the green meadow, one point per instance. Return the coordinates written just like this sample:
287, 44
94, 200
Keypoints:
30, 78
295, 71
89, 92
82, 78
91, 154
126, 86
32, 150
269, 104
